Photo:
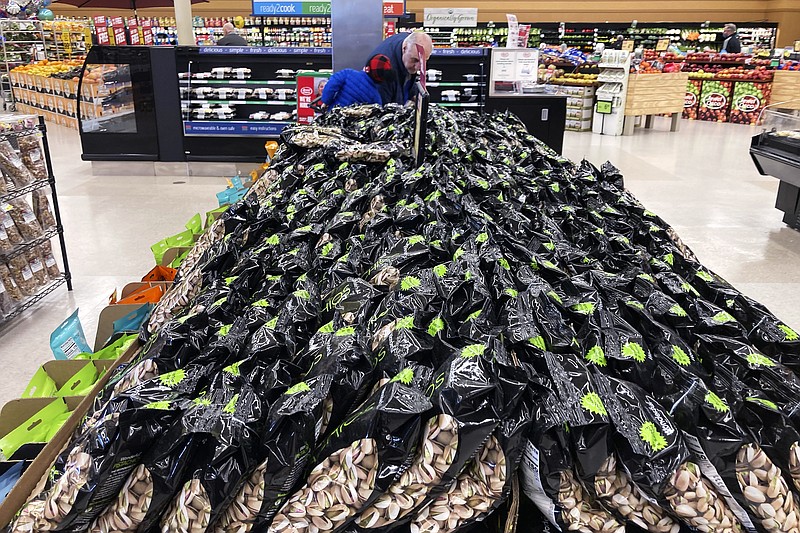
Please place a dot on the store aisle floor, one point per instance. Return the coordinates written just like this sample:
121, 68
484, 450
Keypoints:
700, 180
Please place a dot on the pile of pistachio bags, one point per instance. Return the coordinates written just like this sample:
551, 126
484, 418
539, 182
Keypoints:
363, 344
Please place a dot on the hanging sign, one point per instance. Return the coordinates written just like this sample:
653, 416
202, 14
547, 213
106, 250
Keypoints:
662, 45
394, 8
268, 8
628, 45
456, 17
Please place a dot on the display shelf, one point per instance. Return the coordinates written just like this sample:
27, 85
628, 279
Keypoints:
786, 89
33, 300
655, 94
57, 231
25, 246
460, 104
238, 82
435, 84
10, 44
609, 114
22, 191
243, 102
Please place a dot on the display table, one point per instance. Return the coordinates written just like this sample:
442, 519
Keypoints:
655, 94
786, 88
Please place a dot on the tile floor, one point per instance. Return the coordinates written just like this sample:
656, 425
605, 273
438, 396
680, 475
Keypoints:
700, 180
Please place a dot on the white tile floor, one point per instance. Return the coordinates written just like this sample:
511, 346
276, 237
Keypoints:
700, 180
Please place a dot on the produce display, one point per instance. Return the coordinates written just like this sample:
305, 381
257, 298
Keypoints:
715, 101
362, 344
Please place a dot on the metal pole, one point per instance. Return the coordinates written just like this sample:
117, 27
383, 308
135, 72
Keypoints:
183, 20
56, 209
357, 27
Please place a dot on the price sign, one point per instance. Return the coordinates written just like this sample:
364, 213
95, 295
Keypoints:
604, 107
628, 45
797, 46
65, 40
662, 45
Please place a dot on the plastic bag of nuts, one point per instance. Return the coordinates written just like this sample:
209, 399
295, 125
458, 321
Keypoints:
468, 413
355, 464
12, 289
24, 219
30, 148
294, 426
9, 227
12, 165
41, 208
50, 264
21, 272
7, 303
37, 267
486, 482
547, 474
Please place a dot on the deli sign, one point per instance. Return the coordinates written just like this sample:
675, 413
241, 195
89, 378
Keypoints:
456, 17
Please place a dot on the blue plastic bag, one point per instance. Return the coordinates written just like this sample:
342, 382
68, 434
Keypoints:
68, 339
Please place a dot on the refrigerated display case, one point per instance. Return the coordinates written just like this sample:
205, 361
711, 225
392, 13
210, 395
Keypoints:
117, 104
233, 98
776, 152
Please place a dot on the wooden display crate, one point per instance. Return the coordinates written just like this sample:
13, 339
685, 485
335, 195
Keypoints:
786, 88
655, 94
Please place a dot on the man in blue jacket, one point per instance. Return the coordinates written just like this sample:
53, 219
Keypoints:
396, 79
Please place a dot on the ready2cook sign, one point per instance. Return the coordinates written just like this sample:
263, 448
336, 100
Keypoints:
267, 8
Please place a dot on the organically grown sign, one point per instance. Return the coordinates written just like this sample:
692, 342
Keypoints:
463, 17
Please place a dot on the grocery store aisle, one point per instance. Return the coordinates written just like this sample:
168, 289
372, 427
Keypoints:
700, 180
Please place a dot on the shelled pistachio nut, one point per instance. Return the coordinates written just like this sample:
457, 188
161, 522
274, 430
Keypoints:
794, 464
765, 490
471, 495
434, 457
579, 512
695, 501
615, 489
239, 516
335, 491
190, 510
129, 509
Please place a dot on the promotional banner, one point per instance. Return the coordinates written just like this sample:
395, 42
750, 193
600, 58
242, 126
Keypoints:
394, 8
309, 89
267, 8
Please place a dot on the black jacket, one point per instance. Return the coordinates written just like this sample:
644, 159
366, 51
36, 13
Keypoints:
232, 39
731, 44
395, 88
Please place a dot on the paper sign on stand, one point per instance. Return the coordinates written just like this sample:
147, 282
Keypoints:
513, 31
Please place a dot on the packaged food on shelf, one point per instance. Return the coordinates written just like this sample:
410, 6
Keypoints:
41, 208
22, 274
12, 165
24, 218
46, 249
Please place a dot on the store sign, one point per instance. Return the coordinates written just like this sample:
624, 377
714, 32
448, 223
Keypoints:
662, 45
231, 128
748, 103
309, 89
604, 107
394, 8
715, 101
266, 8
457, 17
690, 100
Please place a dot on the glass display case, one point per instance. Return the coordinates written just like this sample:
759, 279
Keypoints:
116, 105
776, 152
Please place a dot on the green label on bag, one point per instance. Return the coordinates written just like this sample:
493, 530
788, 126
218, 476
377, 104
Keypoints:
594, 404
650, 434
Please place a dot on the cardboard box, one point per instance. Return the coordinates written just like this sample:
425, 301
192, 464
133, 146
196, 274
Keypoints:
105, 323
38, 471
131, 288
62, 372
173, 253
16, 412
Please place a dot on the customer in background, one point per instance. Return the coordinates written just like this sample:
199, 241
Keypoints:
231, 38
395, 63
731, 44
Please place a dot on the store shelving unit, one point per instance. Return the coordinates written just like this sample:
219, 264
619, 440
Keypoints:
65, 40
297, 31
464, 78
615, 68
21, 41
57, 231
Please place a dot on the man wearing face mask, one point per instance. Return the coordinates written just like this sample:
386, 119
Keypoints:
395, 63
